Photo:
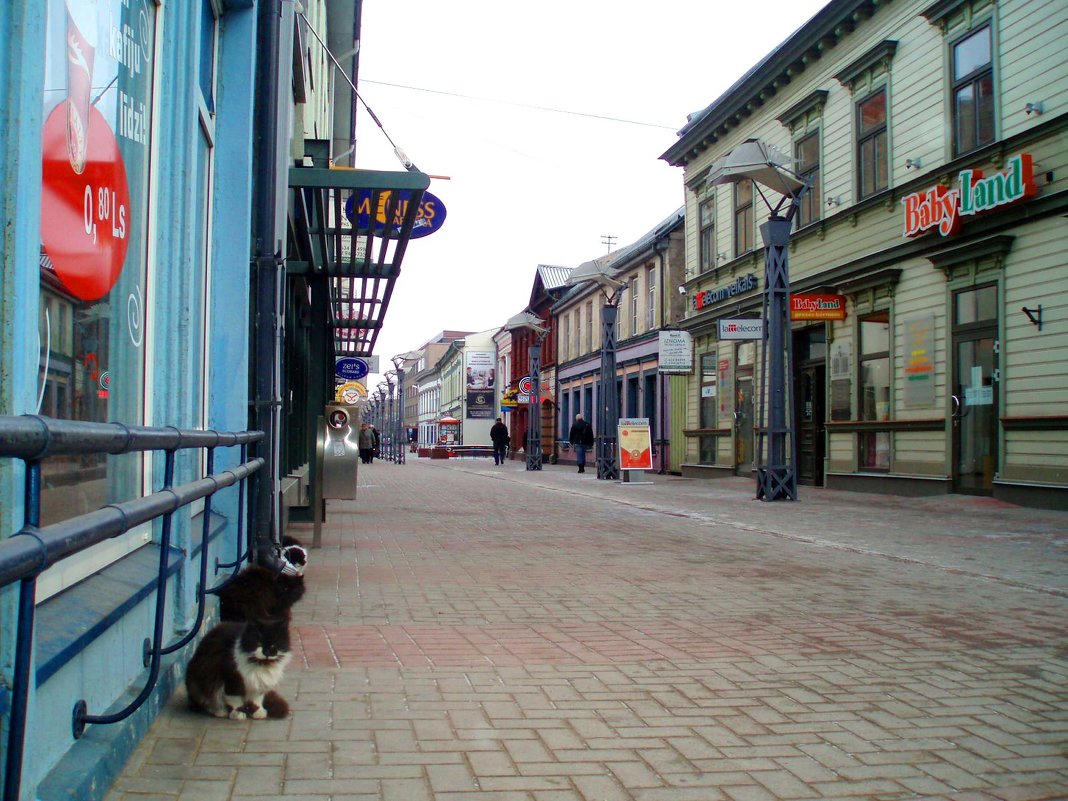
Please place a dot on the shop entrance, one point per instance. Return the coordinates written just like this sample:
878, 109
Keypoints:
810, 412
744, 410
974, 400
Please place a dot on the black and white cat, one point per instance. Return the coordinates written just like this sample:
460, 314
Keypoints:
261, 593
236, 668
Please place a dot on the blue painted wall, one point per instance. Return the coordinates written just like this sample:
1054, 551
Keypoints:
107, 668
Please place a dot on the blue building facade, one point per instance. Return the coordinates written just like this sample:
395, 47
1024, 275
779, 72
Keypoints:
127, 178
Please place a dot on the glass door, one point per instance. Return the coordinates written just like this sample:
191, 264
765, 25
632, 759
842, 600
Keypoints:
744, 410
975, 392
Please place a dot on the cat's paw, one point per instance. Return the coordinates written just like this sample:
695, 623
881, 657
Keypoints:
259, 713
237, 714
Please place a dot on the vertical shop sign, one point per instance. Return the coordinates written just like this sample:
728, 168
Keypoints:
919, 364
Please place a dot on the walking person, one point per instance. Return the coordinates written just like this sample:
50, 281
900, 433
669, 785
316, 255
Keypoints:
366, 443
499, 436
581, 437
377, 439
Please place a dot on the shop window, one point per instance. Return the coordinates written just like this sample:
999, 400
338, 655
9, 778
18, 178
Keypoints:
872, 169
706, 214
807, 153
973, 92
94, 264
874, 384
743, 217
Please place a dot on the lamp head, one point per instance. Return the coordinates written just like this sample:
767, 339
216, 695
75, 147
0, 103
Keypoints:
595, 272
754, 160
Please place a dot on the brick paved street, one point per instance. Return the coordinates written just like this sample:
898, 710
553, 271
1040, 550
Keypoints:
473, 633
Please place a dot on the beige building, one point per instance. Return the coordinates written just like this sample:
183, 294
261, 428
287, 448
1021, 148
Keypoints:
927, 262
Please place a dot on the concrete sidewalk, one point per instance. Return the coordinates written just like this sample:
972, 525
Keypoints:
481, 633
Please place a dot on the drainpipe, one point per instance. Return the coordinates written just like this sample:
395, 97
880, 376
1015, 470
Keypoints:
266, 275
660, 247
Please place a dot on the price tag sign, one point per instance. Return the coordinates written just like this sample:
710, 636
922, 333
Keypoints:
85, 214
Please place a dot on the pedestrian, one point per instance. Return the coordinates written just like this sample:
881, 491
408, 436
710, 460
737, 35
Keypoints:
366, 443
377, 440
581, 437
499, 435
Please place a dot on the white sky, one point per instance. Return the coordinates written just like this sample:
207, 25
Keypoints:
530, 186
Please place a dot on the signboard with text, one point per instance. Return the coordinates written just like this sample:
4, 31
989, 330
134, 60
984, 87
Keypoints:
635, 444
741, 328
676, 352
817, 307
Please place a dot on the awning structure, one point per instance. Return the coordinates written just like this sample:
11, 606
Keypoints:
352, 227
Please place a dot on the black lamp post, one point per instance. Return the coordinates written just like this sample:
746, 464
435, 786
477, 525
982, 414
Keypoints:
607, 418
402, 430
391, 423
777, 441
381, 426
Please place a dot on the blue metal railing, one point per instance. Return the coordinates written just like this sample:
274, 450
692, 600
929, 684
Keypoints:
32, 549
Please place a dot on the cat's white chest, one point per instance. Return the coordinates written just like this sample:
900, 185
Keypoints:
260, 677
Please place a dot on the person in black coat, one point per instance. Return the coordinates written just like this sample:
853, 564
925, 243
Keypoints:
499, 436
581, 437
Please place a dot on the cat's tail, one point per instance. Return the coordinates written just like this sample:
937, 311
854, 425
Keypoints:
275, 705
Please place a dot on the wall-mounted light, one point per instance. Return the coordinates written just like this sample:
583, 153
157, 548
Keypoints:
721, 257
912, 164
682, 290
1033, 108
833, 201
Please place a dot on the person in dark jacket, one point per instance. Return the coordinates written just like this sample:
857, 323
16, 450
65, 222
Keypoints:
366, 443
581, 437
499, 436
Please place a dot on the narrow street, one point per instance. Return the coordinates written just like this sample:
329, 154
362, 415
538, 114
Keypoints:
481, 633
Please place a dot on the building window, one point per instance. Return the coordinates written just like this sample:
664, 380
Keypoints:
807, 153
706, 215
589, 326
874, 386
635, 304
871, 144
707, 408
973, 92
565, 337
650, 293
743, 217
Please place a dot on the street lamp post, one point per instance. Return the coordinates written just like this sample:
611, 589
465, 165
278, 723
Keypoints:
531, 321
777, 441
402, 430
391, 423
381, 427
607, 418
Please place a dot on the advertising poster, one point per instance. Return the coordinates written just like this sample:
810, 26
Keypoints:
635, 444
481, 370
480, 404
919, 362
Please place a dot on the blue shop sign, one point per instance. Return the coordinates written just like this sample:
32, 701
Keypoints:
350, 368
428, 219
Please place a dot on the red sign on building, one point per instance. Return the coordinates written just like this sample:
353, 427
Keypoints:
817, 307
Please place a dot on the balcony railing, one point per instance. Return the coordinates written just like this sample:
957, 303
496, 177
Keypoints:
33, 548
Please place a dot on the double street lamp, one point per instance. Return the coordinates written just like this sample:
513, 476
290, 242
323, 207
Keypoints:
607, 418
765, 166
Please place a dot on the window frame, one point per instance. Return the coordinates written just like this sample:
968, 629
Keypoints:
863, 137
650, 294
972, 79
743, 219
811, 200
706, 234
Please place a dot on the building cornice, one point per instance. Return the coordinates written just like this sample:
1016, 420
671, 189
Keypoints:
772, 75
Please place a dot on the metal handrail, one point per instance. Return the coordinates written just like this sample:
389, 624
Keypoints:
32, 549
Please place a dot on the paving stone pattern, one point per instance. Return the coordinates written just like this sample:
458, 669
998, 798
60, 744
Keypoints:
474, 633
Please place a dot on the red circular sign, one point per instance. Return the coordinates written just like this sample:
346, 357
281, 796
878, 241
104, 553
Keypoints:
526, 385
85, 216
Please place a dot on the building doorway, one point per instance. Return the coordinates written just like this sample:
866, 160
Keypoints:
974, 402
810, 403
744, 410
